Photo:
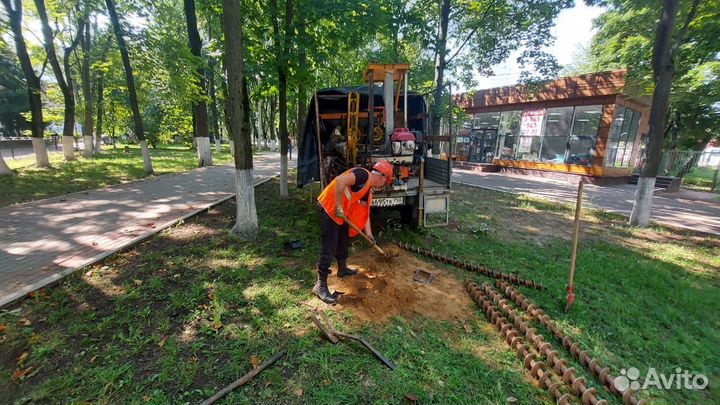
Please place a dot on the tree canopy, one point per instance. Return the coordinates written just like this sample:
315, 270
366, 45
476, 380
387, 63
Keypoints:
624, 40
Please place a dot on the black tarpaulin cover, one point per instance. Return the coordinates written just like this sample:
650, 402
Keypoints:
334, 100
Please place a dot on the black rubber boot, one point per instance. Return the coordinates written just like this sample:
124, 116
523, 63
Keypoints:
343, 270
321, 290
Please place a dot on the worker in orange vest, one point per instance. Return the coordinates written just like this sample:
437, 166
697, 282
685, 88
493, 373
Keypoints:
346, 198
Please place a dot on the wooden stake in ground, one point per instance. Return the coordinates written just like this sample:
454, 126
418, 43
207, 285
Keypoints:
576, 233
244, 379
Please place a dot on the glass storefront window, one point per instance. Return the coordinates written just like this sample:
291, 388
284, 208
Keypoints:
508, 134
553, 149
558, 121
622, 138
586, 123
557, 128
487, 120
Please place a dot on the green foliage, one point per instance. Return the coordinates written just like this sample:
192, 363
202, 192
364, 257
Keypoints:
624, 41
14, 101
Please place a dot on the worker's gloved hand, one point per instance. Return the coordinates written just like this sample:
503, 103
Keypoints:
339, 211
372, 238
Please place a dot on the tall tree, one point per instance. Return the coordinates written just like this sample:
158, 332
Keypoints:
624, 40
100, 91
85, 44
64, 79
663, 65
246, 223
282, 49
199, 107
476, 35
15, 12
13, 93
214, 113
13, 99
440, 51
130, 80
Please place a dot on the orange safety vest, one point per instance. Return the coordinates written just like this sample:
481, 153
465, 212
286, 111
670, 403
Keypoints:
354, 211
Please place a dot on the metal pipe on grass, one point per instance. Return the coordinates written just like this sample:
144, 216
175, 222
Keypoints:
573, 257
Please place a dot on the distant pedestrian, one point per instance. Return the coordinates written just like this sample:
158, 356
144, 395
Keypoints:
290, 146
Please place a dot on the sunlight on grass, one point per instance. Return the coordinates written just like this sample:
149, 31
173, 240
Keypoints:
177, 317
112, 166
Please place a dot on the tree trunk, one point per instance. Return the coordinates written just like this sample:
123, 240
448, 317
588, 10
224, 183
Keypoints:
199, 108
663, 71
4, 168
213, 106
37, 127
100, 99
282, 48
130, 80
63, 78
87, 94
271, 118
246, 223
438, 82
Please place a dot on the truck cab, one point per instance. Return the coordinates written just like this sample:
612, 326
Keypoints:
347, 127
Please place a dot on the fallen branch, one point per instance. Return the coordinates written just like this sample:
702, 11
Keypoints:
244, 379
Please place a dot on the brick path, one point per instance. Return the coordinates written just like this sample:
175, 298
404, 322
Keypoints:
42, 241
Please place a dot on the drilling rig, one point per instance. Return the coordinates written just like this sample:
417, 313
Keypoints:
380, 121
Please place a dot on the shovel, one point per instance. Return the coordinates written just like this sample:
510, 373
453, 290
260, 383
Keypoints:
367, 238
335, 336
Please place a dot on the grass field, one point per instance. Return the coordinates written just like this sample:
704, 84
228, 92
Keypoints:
113, 166
700, 178
187, 312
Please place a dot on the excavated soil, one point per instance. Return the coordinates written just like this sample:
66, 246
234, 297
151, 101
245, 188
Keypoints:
383, 289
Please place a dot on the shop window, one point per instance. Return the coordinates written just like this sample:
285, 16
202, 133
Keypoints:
509, 129
557, 128
586, 123
558, 121
487, 120
553, 149
623, 137
531, 131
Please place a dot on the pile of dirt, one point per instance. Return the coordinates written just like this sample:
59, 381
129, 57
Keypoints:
383, 289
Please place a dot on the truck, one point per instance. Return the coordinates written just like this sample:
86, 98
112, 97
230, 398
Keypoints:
347, 127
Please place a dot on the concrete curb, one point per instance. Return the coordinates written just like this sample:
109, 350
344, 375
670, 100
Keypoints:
56, 277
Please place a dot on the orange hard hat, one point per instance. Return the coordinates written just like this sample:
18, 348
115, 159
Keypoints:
385, 169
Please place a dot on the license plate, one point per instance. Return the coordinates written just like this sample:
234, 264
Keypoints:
388, 202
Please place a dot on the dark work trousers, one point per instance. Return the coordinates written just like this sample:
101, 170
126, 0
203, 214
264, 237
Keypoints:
334, 240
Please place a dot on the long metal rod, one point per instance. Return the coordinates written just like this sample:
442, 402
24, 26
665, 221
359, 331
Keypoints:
601, 374
471, 266
319, 144
537, 369
405, 110
544, 348
371, 117
450, 136
573, 257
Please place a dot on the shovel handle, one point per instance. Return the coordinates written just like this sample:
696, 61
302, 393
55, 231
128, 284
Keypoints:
367, 238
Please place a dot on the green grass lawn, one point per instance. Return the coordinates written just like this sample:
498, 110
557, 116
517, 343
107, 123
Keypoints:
699, 178
113, 166
182, 314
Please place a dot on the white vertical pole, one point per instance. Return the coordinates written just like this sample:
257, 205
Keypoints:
405, 110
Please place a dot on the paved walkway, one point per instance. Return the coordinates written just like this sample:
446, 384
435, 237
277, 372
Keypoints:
42, 241
701, 216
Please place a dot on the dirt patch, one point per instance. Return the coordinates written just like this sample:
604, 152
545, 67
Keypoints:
382, 289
